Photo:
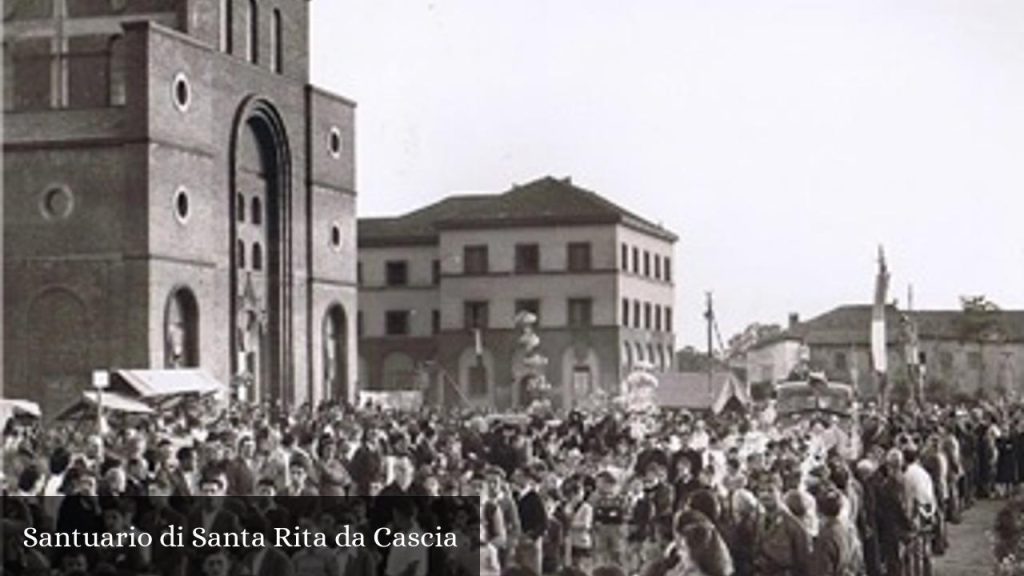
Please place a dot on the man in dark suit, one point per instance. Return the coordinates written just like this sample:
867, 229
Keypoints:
240, 471
533, 522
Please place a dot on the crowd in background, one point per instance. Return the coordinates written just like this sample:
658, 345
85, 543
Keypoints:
602, 493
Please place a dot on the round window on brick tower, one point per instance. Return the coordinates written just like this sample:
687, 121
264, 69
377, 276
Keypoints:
336, 236
334, 142
56, 203
181, 92
182, 205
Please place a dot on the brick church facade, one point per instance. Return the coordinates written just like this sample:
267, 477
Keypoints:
176, 195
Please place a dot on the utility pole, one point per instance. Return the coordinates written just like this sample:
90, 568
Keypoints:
709, 315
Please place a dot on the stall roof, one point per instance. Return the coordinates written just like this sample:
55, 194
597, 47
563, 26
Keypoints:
9, 408
112, 401
152, 384
690, 390
26, 407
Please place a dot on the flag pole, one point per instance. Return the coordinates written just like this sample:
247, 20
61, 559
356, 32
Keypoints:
879, 341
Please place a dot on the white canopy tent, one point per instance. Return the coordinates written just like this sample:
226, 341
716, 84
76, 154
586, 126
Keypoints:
9, 408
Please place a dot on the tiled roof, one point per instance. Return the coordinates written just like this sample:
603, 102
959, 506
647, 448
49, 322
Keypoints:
547, 201
851, 325
419, 226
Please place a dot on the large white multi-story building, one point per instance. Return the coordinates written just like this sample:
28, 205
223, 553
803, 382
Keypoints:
440, 288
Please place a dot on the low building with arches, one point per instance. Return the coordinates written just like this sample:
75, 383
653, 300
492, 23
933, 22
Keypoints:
177, 195
441, 286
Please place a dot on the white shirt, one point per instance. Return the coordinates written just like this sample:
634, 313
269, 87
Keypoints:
580, 528
917, 485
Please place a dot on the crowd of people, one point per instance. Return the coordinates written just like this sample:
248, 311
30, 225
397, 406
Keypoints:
603, 492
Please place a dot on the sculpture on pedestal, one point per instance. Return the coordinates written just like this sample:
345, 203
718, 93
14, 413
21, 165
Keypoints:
529, 365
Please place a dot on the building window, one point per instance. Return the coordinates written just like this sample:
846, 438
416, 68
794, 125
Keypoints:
647, 315
625, 311
240, 254
435, 272
580, 312
336, 236
396, 273
257, 211
474, 259
435, 321
57, 202
668, 269
476, 315
181, 92
359, 273
276, 50
478, 379
657, 267
636, 314
579, 256
839, 361
396, 322
252, 34
624, 257
335, 351
240, 207
582, 381
657, 318
182, 207
647, 264
117, 60
531, 305
181, 330
636, 260
257, 256
527, 258
334, 142
974, 360
668, 318
360, 329
225, 25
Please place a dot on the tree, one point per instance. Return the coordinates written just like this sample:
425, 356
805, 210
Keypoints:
978, 303
980, 320
752, 335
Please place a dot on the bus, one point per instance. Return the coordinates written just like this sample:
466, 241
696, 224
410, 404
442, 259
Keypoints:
814, 396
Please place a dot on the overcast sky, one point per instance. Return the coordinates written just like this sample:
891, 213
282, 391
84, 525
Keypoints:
782, 140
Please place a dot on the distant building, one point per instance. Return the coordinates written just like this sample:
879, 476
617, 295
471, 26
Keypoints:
440, 287
177, 195
963, 353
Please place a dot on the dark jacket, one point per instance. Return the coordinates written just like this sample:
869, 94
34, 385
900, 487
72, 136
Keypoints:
834, 551
533, 518
782, 546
